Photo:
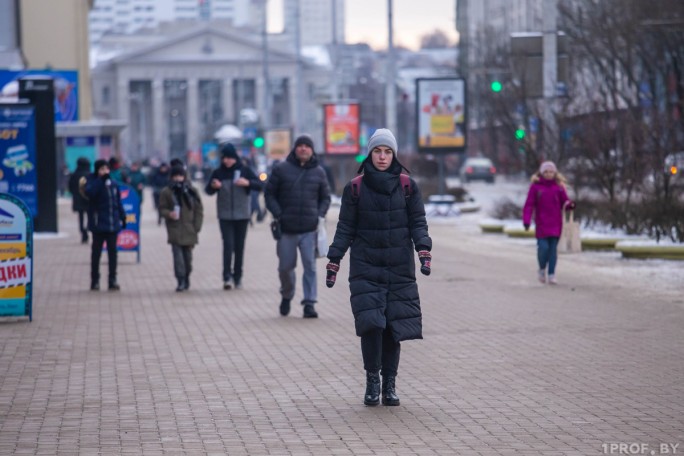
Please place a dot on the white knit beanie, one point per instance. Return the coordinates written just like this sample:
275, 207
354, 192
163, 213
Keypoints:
382, 137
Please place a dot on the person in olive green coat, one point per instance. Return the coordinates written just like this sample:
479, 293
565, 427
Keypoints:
180, 205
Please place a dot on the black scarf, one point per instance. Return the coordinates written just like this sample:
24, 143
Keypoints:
183, 192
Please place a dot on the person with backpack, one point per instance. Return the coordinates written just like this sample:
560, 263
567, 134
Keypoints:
382, 222
79, 203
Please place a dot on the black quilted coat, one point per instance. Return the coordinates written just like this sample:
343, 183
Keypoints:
383, 227
297, 194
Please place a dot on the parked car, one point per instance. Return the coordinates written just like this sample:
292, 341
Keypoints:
478, 168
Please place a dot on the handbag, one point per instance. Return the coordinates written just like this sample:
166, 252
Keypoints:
276, 230
321, 239
570, 241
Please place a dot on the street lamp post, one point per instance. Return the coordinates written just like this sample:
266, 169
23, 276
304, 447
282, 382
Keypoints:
391, 108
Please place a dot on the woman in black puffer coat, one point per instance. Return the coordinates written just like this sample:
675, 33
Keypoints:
382, 220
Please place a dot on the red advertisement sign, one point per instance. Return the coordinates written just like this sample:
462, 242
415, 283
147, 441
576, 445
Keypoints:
342, 128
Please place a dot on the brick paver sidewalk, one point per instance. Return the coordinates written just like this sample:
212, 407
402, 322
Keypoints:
506, 367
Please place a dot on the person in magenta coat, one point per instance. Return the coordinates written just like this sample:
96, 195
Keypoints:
546, 200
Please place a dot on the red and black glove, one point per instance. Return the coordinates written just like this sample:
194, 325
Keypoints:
526, 226
331, 272
570, 206
425, 262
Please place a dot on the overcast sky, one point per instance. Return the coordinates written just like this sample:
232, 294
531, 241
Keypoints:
366, 20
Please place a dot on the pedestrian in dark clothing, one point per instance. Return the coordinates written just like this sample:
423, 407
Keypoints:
232, 182
79, 203
546, 199
159, 181
298, 196
117, 172
382, 221
106, 217
181, 207
136, 179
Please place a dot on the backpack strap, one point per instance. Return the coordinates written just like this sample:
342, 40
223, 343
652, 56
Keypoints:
404, 180
356, 186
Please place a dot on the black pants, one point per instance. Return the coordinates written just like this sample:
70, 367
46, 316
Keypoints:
233, 233
182, 260
98, 240
82, 224
379, 350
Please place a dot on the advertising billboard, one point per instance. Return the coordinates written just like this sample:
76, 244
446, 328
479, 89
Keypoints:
16, 258
66, 89
18, 153
342, 127
278, 143
441, 115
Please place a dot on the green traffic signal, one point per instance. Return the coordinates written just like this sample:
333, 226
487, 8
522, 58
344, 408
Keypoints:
258, 142
519, 134
360, 158
496, 86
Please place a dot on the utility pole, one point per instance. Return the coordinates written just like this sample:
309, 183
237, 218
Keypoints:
391, 105
550, 77
298, 127
266, 111
335, 89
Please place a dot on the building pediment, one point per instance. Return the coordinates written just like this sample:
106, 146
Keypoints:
205, 44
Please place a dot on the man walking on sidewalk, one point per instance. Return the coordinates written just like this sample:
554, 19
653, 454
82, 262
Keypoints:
298, 196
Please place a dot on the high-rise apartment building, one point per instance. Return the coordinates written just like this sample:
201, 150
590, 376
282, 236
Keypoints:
316, 20
127, 16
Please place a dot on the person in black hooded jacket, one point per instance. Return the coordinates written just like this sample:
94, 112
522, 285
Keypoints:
232, 183
382, 221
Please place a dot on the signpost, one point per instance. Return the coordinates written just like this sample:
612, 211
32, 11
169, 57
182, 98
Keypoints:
342, 123
16, 258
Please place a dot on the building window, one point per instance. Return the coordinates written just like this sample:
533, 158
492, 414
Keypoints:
105, 95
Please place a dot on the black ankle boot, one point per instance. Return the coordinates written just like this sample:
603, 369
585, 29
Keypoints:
181, 285
372, 396
187, 281
389, 395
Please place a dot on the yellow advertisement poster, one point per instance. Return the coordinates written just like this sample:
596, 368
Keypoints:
441, 114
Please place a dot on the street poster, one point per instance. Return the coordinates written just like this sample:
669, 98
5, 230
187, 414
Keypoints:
16, 258
441, 114
66, 89
18, 153
128, 239
278, 143
342, 128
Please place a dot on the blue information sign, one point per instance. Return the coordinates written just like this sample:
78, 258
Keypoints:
129, 238
18, 153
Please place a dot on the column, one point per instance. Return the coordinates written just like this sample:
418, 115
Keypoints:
228, 106
161, 140
193, 141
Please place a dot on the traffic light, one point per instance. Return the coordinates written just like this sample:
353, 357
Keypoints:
496, 86
258, 142
360, 158
520, 134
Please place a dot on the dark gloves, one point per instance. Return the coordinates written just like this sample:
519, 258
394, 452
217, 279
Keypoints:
526, 226
425, 262
331, 272
123, 222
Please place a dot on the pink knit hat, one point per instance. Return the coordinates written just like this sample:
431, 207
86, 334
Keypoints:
547, 166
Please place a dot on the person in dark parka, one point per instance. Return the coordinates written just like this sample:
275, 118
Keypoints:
106, 217
382, 222
298, 197
79, 203
181, 207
